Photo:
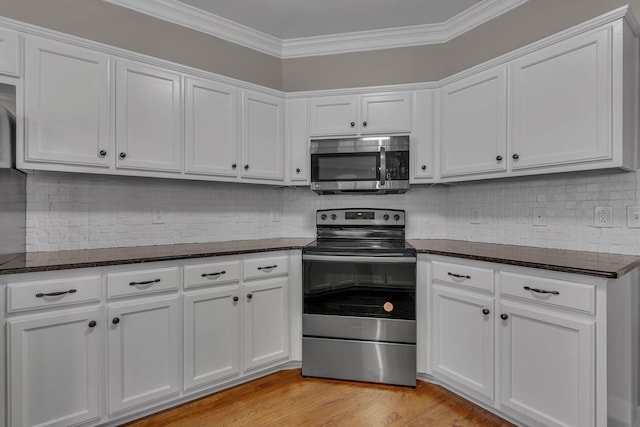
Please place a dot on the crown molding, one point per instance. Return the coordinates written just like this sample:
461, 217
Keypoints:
414, 35
188, 16
197, 19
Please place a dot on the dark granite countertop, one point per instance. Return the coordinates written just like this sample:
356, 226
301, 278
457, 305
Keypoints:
567, 261
62, 260
586, 263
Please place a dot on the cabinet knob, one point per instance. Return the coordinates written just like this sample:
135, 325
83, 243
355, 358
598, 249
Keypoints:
424, 167
353, 124
297, 170
516, 156
246, 167
364, 124
504, 316
234, 165
235, 299
485, 311
115, 320
92, 324
123, 155
249, 296
499, 158
103, 153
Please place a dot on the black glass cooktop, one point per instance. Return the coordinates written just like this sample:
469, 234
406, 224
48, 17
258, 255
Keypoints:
360, 247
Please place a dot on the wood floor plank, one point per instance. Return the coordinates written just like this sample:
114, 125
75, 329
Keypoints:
287, 399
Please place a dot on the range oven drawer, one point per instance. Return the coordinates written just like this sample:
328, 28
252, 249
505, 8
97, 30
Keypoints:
359, 328
377, 362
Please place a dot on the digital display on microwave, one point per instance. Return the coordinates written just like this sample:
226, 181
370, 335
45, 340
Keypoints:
359, 215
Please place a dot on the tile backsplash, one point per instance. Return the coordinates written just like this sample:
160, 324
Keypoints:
71, 211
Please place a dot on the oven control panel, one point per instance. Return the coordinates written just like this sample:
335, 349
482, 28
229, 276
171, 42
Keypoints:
360, 217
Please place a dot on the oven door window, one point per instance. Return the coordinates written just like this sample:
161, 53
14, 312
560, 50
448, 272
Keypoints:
345, 167
384, 290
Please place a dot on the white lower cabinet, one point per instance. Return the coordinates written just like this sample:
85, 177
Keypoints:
54, 368
547, 365
463, 339
542, 348
212, 331
142, 351
266, 317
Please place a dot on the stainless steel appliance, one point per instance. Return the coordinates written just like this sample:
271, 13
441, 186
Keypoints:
359, 291
378, 164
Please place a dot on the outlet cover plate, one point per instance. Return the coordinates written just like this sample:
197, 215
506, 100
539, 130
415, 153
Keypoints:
603, 216
633, 216
476, 216
157, 216
540, 216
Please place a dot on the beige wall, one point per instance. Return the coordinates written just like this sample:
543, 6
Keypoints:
530, 22
114, 25
117, 26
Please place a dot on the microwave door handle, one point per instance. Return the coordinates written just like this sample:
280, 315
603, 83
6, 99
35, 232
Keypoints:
383, 166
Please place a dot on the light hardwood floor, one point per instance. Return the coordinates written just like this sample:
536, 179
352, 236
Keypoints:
287, 399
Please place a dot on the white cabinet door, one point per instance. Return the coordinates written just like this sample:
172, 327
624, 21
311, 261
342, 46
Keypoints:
333, 116
423, 165
298, 142
148, 118
561, 98
66, 104
143, 351
54, 369
547, 365
212, 143
9, 52
390, 113
212, 320
463, 342
266, 314
473, 128
262, 136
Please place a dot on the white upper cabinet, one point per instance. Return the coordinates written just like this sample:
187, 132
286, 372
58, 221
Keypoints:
9, 52
367, 114
423, 167
388, 113
66, 104
299, 161
211, 128
473, 124
333, 115
148, 118
561, 103
262, 136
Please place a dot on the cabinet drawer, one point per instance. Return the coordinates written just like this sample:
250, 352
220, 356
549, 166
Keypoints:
211, 273
142, 281
463, 275
51, 293
560, 293
255, 268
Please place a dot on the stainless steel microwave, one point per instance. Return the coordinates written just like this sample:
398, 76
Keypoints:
377, 164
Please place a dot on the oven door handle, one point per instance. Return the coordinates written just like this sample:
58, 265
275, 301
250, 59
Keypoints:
383, 166
361, 259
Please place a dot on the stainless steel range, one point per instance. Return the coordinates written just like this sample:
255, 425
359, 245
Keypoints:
359, 311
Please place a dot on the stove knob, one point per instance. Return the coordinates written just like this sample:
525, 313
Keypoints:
386, 217
323, 217
396, 217
334, 216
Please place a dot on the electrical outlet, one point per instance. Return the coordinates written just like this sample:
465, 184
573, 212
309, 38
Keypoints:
157, 216
633, 216
476, 216
540, 216
603, 216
